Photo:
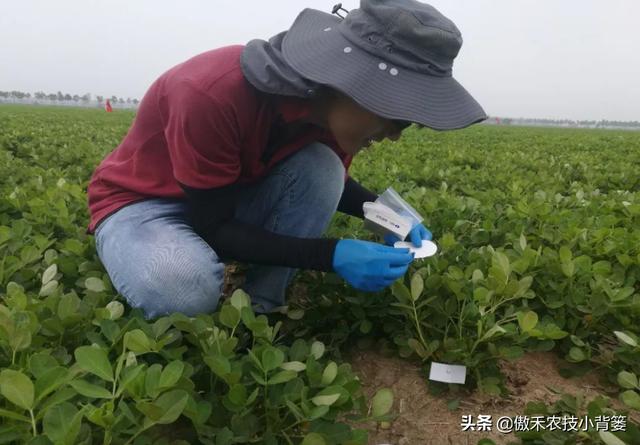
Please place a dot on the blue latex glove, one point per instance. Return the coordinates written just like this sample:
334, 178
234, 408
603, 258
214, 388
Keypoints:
417, 234
370, 266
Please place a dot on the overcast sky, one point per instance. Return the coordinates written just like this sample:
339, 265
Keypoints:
578, 59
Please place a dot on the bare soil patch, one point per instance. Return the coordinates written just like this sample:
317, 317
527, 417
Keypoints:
424, 419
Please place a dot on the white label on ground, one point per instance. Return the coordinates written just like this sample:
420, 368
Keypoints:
441, 372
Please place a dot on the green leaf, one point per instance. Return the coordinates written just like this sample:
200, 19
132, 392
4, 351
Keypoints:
417, 286
48, 289
95, 361
325, 400
295, 314
418, 348
313, 439
15, 416
94, 284
631, 399
622, 294
577, 354
17, 388
627, 380
502, 261
565, 254
365, 326
295, 410
137, 341
528, 321
511, 352
90, 390
609, 439
626, 338
240, 299
229, 316
400, 291
172, 403
476, 276
329, 374
258, 378
219, 364
523, 286
50, 380
151, 411
282, 377
116, 309
522, 241
482, 295
61, 423
293, 366
496, 330
272, 358
68, 306
317, 349
20, 338
49, 274
568, 269
152, 380
238, 394
171, 374
382, 402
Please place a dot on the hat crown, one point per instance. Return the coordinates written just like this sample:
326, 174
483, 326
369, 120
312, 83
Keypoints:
408, 33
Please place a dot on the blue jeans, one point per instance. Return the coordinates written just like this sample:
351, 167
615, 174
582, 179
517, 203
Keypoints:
159, 264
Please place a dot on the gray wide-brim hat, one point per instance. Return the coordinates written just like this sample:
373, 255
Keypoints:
393, 57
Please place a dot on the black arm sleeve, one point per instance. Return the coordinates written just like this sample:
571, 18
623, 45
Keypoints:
212, 214
353, 196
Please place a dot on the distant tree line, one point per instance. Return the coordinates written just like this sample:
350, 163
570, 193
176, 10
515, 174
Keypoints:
603, 123
65, 98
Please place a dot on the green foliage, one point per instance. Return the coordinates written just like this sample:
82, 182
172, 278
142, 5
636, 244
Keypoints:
539, 248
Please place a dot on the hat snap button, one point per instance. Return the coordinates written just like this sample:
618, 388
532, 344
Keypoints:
382, 66
347, 49
393, 72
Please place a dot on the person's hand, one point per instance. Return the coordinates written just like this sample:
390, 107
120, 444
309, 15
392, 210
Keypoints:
370, 266
417, 234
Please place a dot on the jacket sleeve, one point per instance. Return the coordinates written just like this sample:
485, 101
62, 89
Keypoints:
353, 196
212, 214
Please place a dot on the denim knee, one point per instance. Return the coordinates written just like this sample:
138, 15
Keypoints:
321, 175
178, 282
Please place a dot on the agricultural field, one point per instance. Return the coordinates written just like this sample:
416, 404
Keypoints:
535, 289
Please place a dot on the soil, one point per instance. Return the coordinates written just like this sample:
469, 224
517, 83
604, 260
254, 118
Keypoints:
424, 419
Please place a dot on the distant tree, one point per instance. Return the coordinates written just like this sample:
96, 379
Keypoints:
100, 99
120, 100
52, 97
68, 97
76, 98
40, 95
60, 96
136, 101
86, 97
113, 99
128, 100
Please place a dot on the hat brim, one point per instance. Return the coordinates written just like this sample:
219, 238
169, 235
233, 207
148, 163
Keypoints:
440, 103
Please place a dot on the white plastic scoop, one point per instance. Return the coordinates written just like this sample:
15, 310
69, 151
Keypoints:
428, 248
